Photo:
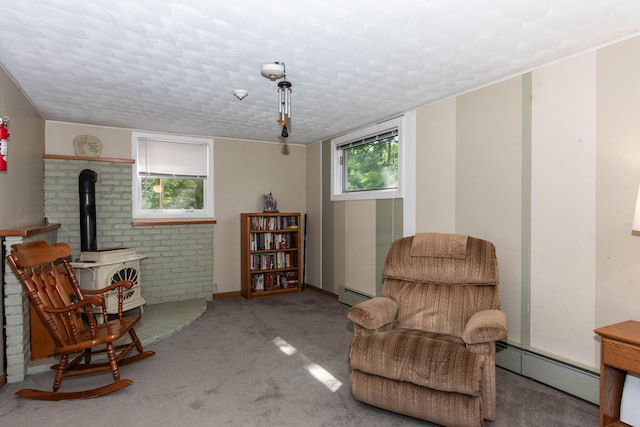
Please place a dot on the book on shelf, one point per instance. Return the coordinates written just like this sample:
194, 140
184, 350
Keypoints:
257, 282
273, 260
270, 241
268, 282
259, 223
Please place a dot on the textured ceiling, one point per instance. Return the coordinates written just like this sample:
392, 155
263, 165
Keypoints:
172, 66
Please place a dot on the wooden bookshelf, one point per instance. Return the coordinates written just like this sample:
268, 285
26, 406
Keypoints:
270, 254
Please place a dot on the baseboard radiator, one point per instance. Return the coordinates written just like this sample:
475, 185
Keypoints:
579, 382
351, 297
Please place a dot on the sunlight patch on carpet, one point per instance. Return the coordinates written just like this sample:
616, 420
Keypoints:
317, 371
323, 376
284, 346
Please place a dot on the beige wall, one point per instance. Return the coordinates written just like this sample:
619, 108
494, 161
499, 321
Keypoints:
116, 142
244, 171
22, 184
489, 181
436, 167
617, 257
563, 202
469, 176
313, 270
338, 251
562, 206
360, 246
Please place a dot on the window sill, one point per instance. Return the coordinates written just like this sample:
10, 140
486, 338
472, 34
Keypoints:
367, 195
151, 222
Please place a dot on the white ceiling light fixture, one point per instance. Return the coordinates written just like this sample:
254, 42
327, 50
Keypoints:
273, 71
240, 94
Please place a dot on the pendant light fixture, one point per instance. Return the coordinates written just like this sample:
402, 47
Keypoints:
273, 72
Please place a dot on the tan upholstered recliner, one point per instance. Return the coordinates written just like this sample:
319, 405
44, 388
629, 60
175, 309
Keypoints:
426, 348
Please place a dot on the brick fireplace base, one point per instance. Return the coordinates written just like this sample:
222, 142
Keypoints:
16, 307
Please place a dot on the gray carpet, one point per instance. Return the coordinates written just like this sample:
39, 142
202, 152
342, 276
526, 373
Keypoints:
278, 361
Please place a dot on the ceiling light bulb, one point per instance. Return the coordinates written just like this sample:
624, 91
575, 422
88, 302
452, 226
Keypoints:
240, 94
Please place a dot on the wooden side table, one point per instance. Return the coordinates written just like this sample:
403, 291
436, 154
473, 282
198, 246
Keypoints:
619, 354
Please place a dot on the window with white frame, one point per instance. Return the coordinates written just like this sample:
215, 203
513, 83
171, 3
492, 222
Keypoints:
367, 164
172, 177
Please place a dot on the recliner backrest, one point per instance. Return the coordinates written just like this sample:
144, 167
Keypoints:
441, 280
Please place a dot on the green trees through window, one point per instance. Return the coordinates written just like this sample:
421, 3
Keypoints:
372, 165
368, 163
172, 193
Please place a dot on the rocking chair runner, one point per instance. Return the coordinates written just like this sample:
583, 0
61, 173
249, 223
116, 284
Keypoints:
68, 312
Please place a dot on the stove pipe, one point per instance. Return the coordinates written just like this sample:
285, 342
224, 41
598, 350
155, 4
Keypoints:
87, 192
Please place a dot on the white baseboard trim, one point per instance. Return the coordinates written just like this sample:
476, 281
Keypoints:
579, 382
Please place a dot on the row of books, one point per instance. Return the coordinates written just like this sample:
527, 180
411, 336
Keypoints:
274, 260
267, 282
269, 241
274, 223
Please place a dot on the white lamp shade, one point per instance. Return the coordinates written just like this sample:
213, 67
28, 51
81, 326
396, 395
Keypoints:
635, 228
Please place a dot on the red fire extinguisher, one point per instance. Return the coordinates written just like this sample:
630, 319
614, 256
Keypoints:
4, 137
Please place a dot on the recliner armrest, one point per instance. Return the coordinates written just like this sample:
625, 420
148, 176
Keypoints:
485, 326
374, 313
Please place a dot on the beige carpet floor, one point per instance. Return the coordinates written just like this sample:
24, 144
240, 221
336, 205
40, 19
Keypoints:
279, 361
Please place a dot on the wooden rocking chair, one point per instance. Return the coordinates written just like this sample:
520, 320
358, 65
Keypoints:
68, 312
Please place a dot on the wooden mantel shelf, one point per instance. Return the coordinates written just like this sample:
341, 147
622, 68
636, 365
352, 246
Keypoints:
87, 158
143, 223
29, 230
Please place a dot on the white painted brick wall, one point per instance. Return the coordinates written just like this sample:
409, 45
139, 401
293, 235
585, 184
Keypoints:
16, 308
180, 257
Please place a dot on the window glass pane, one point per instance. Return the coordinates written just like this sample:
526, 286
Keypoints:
372, 166
172, 193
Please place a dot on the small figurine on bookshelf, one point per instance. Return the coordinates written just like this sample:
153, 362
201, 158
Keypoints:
270, 204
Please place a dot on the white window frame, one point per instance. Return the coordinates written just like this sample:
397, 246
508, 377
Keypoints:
173, 214
337, 170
